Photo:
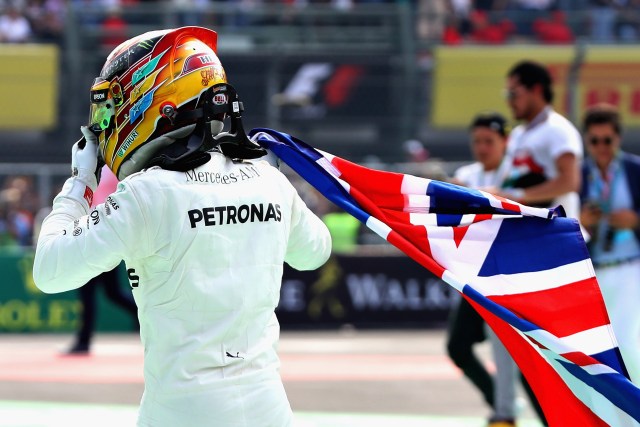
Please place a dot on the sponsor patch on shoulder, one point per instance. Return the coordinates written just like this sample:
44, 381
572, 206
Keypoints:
88, 195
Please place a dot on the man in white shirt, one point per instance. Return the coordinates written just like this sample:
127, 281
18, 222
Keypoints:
14, 27
203, 224
546, 149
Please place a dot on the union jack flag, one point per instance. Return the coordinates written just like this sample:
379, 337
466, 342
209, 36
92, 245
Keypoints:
526, 270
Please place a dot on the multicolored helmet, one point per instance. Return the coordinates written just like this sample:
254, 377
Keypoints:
149, 86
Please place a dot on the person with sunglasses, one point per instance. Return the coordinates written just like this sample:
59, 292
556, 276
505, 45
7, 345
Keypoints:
611, 213
545, 150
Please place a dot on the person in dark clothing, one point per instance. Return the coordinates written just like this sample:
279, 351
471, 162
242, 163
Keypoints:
110, 282
489, 135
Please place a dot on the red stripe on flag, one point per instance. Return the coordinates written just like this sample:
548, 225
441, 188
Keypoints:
560, 406
367, 204
580, 358
394, 216
368, 180
508, 204
482, 217
461, 231
416, 234
421, 253
409, 238
575, 357
535, 341
458, 234
387, 201
580, 303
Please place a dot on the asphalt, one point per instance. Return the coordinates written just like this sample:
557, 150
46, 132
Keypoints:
333, 378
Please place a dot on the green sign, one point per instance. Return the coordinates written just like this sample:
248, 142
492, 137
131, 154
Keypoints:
24, 308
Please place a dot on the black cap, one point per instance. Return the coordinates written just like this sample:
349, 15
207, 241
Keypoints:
494, 121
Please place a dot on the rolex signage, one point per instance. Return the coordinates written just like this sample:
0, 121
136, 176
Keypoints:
24, 308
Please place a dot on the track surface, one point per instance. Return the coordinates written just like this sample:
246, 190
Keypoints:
333, 379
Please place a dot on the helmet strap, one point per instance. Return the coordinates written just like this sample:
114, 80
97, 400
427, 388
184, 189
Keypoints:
192, 151
234, 143
184, 154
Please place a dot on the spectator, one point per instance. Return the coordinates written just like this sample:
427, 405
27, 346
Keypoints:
602, 14
19, 205
611, 209
46, 18
545, 150
7, 235
431, 18
114, 29
485, 31
477, 21
190, 12
627, 24
553, 29
459, 11
525, 12
450, 35
14, 27
18, 221
489, 135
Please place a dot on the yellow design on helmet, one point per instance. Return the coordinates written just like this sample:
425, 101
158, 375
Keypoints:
144, 84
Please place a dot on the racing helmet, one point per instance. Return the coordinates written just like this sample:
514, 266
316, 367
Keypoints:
166, 82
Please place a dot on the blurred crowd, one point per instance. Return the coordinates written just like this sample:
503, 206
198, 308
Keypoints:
32, 20
450, 22
543, 21
19, 205
23, 208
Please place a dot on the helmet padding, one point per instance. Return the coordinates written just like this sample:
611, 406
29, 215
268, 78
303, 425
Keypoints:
140, 158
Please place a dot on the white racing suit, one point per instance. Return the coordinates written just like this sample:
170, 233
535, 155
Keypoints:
204, 251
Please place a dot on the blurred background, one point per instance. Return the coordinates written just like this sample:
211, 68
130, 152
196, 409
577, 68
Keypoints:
389, 84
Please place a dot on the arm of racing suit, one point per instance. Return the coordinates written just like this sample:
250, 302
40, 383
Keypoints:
309, 240
76, 244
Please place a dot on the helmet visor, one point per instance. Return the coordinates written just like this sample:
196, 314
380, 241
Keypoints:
105, 97
101, 115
